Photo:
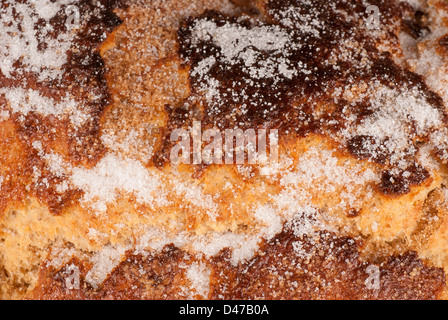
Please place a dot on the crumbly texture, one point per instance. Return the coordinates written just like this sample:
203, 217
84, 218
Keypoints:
91, 207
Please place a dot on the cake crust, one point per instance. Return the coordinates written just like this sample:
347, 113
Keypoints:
92, 205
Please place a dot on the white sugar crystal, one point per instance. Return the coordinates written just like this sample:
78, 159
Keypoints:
270, 218
294, 18
307, 221
20, 40
196, 196
111, 175
243, 246
199, 276
104, 262
61, 255
24, 101
395, 113
237, 43
47, 9
417, 4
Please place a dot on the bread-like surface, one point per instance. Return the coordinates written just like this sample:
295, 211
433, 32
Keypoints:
93, 207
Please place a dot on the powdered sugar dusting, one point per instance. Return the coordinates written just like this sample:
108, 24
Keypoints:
236, 43
199, 276
20, 40
398, 117
25, 101
396, 120
104, 261
112, 174
320, 172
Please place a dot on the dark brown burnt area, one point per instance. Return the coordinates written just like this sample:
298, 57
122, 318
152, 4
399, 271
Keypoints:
399, 182
226, 94
289, 102
325, 267
417, 27
329, 267
367, 147
138, 277
82, 80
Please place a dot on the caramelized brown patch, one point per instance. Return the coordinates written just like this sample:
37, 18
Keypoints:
443, 42
137, 277
329, 269
287, 267
297, 101
252, 84
250, 97
83, 81
366, 147
417, 27
400, 182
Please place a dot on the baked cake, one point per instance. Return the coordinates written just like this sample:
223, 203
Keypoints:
348, 201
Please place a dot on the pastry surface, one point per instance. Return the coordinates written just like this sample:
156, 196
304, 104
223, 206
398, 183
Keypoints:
354, 206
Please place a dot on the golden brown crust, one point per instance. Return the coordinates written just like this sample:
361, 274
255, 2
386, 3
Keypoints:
334, 271
91, 192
